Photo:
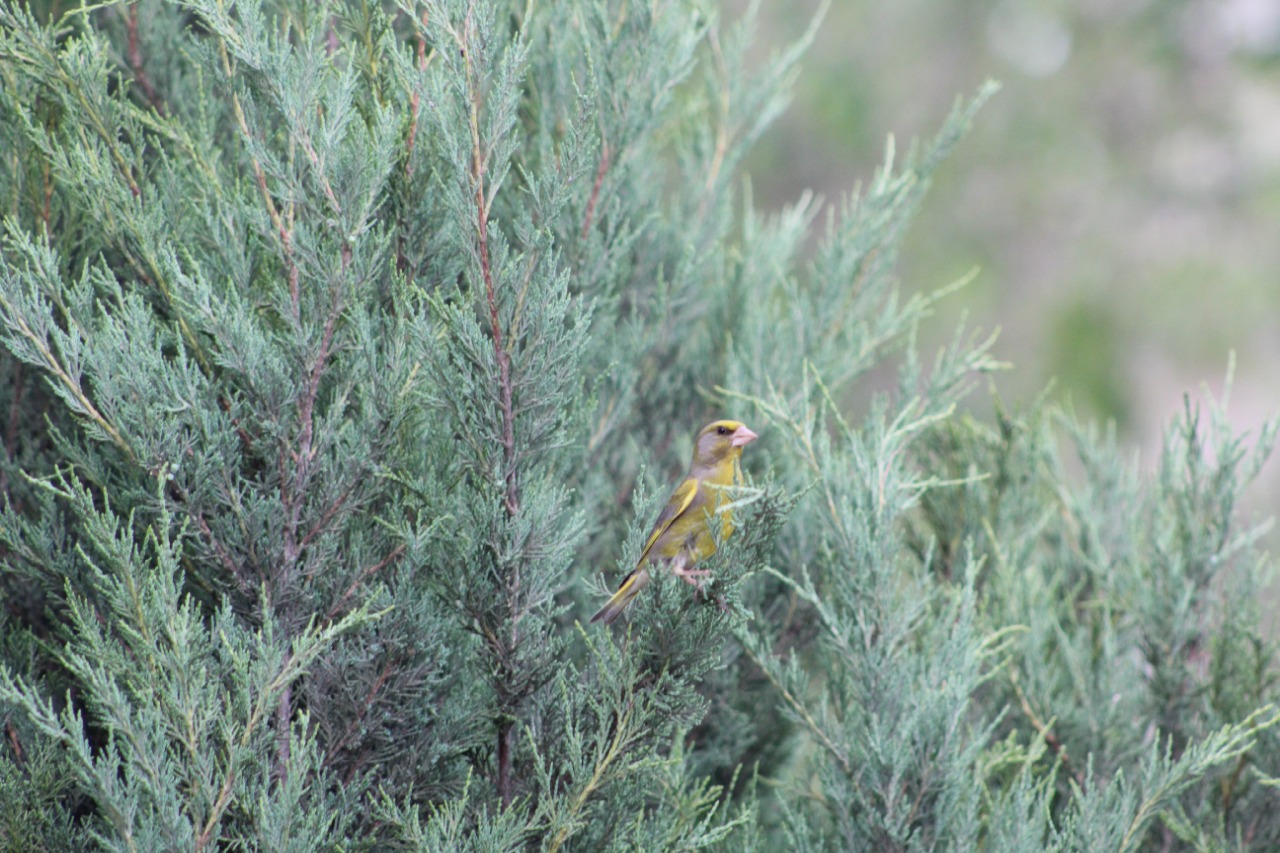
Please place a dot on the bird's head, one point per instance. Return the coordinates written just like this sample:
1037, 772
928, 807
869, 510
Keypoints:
720, 440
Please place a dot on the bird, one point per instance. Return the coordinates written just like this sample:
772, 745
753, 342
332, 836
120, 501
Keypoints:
681, 537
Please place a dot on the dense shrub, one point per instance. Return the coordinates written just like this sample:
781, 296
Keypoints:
348, 350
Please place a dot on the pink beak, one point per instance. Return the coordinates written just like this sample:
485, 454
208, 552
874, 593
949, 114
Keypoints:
743, 436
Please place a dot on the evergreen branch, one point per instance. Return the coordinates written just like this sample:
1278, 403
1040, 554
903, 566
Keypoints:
627, 728
104, 132
304, 650
45, 212
415, 98
622, 738
233, 569
799, 708
293, 488
15, 743
109, 134
283, 231
479, 160
16, 321
465, 41
219, 807
284, 749
723, 103
326, 517
388, 670
802, 428
11, 425
601, 170
148, 269
134, 54
1176, 776
308, 147
362, 577
411, 136
1230, 785
1045, 730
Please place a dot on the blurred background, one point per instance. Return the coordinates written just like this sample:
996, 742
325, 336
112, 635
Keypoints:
1120, 196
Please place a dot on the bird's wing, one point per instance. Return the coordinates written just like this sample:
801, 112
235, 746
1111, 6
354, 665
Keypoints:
677, 505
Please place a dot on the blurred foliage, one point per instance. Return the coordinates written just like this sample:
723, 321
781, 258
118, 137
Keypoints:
347, 352
1119, 197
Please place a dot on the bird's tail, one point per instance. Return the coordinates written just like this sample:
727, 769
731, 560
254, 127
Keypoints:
630, 588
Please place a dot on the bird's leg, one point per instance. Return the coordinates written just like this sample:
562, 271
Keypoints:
681, 568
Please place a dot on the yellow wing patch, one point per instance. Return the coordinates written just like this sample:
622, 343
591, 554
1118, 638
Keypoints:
677, 505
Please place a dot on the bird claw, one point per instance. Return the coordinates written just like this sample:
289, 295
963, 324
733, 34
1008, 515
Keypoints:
690, 576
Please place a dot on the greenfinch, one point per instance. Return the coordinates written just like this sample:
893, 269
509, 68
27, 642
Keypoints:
681, 536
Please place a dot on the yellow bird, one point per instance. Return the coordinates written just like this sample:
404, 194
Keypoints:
682, 534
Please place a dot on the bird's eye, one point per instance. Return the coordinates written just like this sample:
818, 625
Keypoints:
722, 430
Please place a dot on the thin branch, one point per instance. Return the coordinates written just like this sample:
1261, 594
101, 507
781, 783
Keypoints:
46, 209
292, 489
72, 384
357, 721
503, 358
803, 712
283, 678
364, 575
215, 813
284, 231
402, 260
326, 517
284, 713
245, 583
414, 100
505, 729
321, 175
11, 732
11, 428
1051, 740
135, 61
511, 492
606, 154
617, 745
107, 135
722, 132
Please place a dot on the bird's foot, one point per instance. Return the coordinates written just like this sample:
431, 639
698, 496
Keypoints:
691, 576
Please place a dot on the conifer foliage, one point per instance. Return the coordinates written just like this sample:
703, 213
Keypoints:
348, 350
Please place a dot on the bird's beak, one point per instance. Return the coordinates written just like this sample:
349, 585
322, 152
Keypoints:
743, 436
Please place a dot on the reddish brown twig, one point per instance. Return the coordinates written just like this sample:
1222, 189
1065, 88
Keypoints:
605, 155
358, 721
1051, 740
46, 209
511, 484
11, 428
292, 489
236, 571
284, 714
402, 258
414, 100
283, 229
11, 732
326, 517
135, 61
361, 578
